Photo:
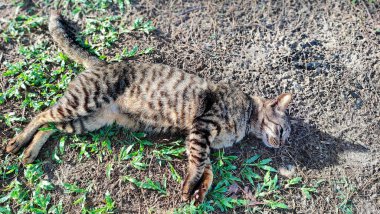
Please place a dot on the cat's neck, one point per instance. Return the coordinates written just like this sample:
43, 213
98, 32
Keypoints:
255, 116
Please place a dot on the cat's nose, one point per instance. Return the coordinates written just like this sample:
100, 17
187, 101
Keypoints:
274, 143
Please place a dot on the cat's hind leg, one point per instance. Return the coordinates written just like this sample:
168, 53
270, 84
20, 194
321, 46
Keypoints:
35, 146
78, 126
82, 98
52, 115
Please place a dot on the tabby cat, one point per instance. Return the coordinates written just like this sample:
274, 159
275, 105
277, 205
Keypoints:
156, 98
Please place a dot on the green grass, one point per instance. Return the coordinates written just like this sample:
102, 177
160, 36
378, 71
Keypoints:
254, 186
21, 26
344, 191
30, 194
38, 78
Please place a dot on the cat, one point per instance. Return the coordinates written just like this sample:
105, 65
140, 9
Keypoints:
155, 98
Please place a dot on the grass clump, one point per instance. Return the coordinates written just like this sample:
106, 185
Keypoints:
31, 195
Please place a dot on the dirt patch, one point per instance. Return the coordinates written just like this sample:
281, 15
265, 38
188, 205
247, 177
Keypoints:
325, 53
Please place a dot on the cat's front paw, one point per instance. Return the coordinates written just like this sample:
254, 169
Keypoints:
199, 195
198, 191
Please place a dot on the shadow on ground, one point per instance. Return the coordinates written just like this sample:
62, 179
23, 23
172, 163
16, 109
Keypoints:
308, 147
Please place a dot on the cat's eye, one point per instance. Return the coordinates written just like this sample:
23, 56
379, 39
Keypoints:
281, 131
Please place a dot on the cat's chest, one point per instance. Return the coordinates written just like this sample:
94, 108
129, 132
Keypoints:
226, 138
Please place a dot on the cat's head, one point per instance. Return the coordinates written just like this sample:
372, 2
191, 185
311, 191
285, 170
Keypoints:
272, 124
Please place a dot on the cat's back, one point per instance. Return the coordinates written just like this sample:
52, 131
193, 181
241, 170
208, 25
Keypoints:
153, 81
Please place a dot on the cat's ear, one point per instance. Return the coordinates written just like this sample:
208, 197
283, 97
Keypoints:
282, 101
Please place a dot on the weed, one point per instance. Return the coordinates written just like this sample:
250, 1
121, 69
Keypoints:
344, 192
275, 204
175, 174
189, 208
82, 192
73, 188
98, 145
101, 32
148, 184
165, 152
306, 191
57, 208
31, 196
11, 117
146, 27
109, 206
21, 26
80, 7
109, 169
32, 80
8, 168
293, 181
132, 53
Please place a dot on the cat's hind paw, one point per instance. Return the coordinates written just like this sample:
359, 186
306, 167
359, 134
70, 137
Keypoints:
29, 155
13, 146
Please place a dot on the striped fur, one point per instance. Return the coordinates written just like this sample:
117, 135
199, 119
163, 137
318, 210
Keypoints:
156, 98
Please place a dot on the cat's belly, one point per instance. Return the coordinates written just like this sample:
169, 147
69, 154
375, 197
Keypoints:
157, 116
164, 106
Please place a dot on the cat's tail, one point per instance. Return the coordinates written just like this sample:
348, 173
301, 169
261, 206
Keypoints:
65, 39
